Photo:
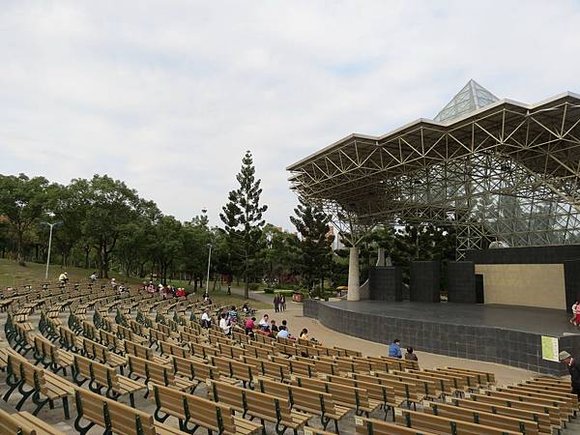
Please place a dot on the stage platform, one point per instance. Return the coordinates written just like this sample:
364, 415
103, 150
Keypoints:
495, 333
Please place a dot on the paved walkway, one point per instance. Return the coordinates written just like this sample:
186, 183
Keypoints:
296, 321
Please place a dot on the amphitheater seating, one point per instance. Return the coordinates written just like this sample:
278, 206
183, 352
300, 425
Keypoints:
259, 405
24, 423
210, 415
102, 377
294, 380
115, 417
44, 387
441, 425
305, 400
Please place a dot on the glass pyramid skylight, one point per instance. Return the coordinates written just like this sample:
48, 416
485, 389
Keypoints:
472, 97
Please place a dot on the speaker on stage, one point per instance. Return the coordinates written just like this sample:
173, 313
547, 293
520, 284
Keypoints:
386, 283
425, 281
461, 282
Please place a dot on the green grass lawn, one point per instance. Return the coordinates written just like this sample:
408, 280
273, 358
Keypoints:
12, 274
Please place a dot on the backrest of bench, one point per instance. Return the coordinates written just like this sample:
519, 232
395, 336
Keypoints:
204, 371
83, 366
108, 413
105, 375
230, 395
9, 425
304, 399
210, 415
430, 422
499, 421
137, 366
139, 350
160, 374
377, 427
172, 401
268, 407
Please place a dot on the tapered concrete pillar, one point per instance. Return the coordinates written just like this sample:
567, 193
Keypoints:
353, 276
380, 257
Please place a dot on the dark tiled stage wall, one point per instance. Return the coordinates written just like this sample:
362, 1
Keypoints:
513, 348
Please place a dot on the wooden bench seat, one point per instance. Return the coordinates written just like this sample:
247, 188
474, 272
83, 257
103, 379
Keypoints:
267, 368
430, 389
552, 411
485, 418
115, 417
568, 403
44, 387
405, 392
263, 406
305, 400
484, 379
98, 352
26, 423
235, 369
342, 394
173, 349
526, 397
101, 376
369, 426
193, 412
543, 419
444, 426
384, 394
202, 351
159, 374
50, 356
144, 352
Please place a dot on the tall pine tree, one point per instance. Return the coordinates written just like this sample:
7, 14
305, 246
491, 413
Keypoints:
315, 244
242, 218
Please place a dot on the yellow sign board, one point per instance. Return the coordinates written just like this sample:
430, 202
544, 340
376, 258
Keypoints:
550, 349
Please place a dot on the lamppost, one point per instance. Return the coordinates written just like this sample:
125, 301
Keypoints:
51, 225
209, 245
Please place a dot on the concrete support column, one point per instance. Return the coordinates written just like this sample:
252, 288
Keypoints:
353, 276
380, 257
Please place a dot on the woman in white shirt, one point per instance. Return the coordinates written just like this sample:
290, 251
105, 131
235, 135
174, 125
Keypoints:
205, 319
225, 324
264, 323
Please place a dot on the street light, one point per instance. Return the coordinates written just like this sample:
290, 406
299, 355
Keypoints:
209, 245
51, 225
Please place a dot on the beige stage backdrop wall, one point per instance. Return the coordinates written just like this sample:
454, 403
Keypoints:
537, 285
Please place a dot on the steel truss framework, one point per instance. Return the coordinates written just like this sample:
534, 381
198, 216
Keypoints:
508, 171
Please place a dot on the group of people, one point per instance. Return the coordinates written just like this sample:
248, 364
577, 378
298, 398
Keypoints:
165, 291
279, 303
395, 351
267, 327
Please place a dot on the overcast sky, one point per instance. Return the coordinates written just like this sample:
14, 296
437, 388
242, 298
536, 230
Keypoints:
167, 95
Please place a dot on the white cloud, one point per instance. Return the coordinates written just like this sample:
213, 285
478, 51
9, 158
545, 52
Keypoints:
167, 96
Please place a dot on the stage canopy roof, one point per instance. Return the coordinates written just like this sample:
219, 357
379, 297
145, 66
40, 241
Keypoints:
497, 169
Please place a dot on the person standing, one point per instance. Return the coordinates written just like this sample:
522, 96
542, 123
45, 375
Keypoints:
276, 303
570, 363
395, 349
575, 314
282, 303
